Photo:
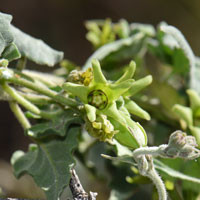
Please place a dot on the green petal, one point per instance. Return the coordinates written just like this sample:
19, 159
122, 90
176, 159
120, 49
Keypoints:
114, 113
120, 88
184, 113
124, 136
97, 73
194, 100
91, 112
128, 73
137, 131
139, 85
134, 109
80, 91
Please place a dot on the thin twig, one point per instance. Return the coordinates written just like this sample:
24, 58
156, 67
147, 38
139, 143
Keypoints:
77, 189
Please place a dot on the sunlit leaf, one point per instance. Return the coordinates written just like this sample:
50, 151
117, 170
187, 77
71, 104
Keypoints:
35, 49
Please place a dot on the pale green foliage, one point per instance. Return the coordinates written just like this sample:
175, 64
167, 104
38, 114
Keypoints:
113, 107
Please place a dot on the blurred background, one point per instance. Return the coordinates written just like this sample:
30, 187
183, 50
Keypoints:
60, 23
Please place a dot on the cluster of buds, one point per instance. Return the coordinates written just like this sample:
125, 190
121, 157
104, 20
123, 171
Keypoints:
101, 128
181, 145
107, 104
79, 77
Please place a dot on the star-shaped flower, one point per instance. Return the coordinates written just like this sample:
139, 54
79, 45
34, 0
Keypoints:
111, 99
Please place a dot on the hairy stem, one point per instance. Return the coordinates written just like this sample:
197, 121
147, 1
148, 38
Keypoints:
143, 157
156, 179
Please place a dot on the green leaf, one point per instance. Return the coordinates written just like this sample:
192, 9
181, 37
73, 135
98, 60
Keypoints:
168, 49
48, 163
58, 126
6, 37
35, 49
176, 174
194, 100
196, 133
158, 165
195, 76
180, 62
11, 52
184, 113
125, 158
118, 50
116, 195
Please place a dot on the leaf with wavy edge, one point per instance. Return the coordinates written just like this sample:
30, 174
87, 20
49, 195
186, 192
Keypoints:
48, 163
35, 49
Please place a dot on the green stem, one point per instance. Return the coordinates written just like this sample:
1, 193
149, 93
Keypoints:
50, 115
27, 104
21, 100
43, 90
19, 115
36, 99
21, 64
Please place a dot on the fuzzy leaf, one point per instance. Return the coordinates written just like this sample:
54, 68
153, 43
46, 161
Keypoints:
168, 49
158, 165
48, 163
11, 52
172, 172
58, 126
195, 76
35, 49
6, 37
118, 50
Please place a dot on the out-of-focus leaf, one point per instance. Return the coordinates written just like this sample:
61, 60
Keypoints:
48, 163
195, 76
35, 49
162, 91
168, 50
187, 171
58, 126
125, 159
118, 50
6, 37
158, 165
184, 113
116, 195
11, 52
145, 28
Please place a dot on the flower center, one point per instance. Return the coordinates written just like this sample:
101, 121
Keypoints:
98, 99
